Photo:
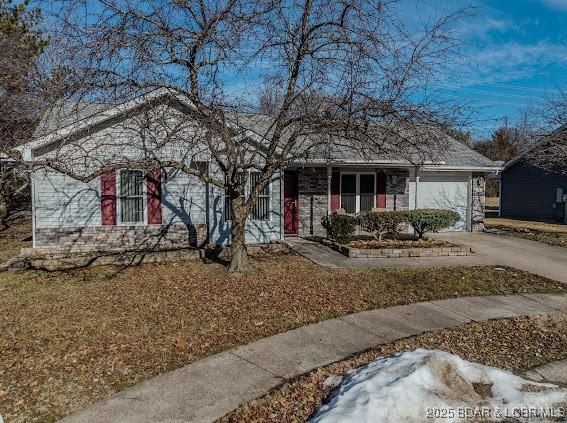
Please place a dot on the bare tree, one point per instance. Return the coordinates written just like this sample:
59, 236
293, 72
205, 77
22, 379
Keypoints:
349, 72
550, 142
21, 42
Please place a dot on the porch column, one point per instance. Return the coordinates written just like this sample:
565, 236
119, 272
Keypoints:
329, 178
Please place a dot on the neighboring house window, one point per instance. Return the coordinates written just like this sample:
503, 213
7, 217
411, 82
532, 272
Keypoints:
261, 210
131, 196
358, 192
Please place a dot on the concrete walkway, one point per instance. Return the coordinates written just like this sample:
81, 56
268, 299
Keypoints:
208, 389
555, 372
535, 257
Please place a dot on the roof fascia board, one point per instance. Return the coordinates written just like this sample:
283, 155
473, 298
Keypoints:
427, 168
462, 168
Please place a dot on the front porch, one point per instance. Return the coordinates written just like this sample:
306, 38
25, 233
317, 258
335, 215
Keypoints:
310, 193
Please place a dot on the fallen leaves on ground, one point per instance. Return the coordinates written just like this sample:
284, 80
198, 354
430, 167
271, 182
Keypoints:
515, 344
72, 338
14, 238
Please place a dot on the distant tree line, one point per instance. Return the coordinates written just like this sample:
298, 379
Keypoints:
21, 43
506, 142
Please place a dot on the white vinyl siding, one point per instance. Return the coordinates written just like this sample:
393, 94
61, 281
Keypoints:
183, 199
61, 201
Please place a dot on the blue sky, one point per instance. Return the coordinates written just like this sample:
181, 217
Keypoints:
516, 54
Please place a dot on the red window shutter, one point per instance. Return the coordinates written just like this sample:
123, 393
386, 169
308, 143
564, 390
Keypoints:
380, 190
154, 197
335, 191
108, 198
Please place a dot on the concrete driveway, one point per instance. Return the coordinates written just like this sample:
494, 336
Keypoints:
542, 259
535, 257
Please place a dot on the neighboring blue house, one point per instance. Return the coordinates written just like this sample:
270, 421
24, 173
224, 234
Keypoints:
529, 192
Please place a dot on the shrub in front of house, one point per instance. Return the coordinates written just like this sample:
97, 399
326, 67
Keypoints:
431, 220
383, 223
340, 227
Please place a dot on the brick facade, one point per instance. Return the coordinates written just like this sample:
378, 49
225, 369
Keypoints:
109, 238
478, 200
397, 190
313, 203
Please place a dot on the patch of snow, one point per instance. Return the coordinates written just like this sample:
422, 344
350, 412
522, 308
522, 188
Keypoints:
431, 385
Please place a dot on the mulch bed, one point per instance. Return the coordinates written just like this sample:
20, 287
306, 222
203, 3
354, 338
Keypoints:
72, 338
514, 344
399, 243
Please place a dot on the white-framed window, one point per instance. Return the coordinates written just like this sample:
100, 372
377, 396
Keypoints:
261, 210
131, 197
358, 191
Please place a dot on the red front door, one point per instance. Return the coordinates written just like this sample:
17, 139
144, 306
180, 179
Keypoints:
291, 216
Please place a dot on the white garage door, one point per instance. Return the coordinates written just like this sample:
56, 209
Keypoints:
444, 191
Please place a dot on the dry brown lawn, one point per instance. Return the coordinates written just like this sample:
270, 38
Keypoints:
515, 344
548, 233
72, 338
492, 201
13, 239
524, 224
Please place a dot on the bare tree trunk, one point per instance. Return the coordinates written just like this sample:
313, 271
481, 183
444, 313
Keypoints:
239, 262
3, 215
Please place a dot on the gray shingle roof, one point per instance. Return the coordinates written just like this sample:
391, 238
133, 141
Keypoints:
66, 114
454, 154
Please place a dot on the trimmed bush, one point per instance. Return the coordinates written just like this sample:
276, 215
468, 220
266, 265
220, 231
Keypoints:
382, 223
340, 227
431, 220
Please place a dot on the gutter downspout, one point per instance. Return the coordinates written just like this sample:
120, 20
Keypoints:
416, 186
470, 203
415, 192
282, 211
33, 202
33, 199
329, 178
207, 208
499, 193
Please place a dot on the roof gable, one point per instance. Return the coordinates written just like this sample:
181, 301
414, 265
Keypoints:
57, 125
